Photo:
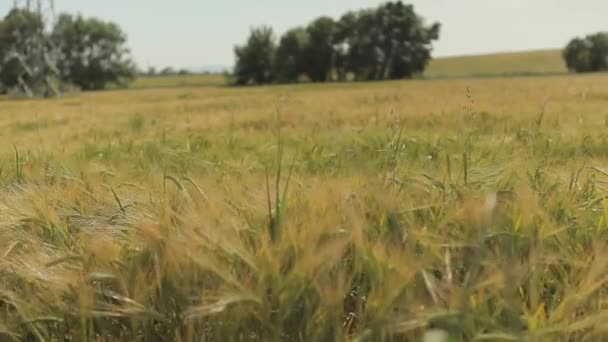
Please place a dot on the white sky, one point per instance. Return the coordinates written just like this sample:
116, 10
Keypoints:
195, 33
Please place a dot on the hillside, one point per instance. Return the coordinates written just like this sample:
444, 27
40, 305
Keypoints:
498, 64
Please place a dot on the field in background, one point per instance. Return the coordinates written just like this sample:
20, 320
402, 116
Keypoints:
543, 62
178, 81
364, 211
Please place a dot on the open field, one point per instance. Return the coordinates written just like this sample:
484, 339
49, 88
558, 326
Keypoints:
541, 62
314, 212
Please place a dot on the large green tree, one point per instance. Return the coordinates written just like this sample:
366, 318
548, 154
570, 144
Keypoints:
291, 61
365, 54
599, 51
17, 30
577, 55
391, 41
342, 41
406, 41
93, 52
587, 54
255, 59
320, 52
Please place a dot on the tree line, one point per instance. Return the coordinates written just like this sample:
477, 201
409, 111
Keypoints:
390, 41
87, 52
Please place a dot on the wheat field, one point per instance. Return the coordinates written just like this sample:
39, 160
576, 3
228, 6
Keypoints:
444, 210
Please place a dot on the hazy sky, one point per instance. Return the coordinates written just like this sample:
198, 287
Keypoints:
193, 33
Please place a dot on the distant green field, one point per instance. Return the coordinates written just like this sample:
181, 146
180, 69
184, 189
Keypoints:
499, 64
541, 62
178, 81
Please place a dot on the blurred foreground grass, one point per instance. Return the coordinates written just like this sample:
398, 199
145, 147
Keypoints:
360, 211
